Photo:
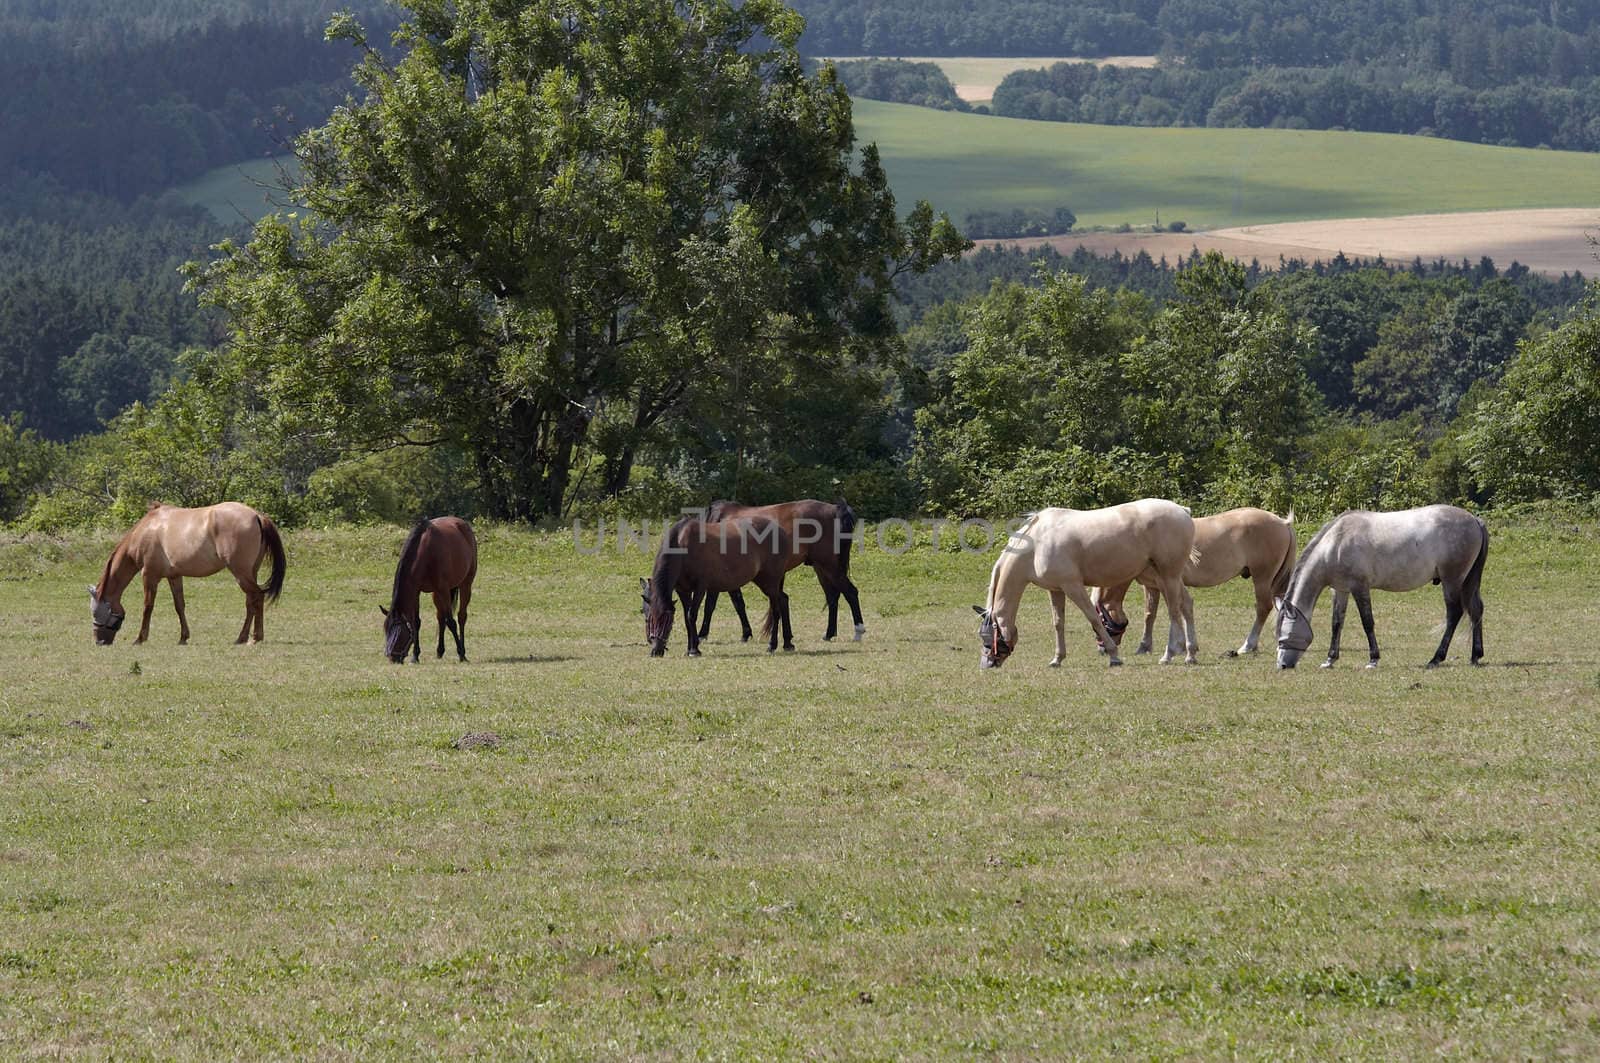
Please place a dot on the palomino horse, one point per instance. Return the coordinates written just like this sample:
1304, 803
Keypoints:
697, 558
820, 536
440, 556
1358, 552
1066, 551
1245, 542
170, 543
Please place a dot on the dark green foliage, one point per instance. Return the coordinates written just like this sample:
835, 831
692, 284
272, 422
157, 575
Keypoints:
898, 81
986, 224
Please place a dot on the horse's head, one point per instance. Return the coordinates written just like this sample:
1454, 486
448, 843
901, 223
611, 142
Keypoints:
658, 614
399, 631
1114, 619
105, 617
1294, 633
996, 647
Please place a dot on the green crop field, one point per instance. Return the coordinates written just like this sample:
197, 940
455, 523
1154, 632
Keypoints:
1109, 175
868, 850
1208, 178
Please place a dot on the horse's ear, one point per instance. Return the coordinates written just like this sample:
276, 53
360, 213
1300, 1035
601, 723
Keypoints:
644, 586
980, 610
91, 592
382, 610
1277, 603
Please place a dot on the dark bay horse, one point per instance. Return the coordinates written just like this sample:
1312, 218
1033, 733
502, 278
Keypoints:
699, 557
820, 534
440, 556
169, 543
1359, 552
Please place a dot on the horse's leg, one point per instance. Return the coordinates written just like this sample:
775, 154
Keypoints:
442, 608
691, 613
830, 594
1341, 601
1475, 611
1058, 607
1263, 585
461, 617
1180, 617
1452, 617
176, 583
737, 598
247, 589
788, 632
1080, 597
152, 583
852, 598
1363, 599
1152, 602
711, 607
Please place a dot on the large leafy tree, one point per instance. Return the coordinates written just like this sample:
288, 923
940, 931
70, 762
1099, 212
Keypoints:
548, 225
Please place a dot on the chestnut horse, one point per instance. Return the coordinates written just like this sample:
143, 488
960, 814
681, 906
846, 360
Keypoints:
1066, 551
697, 558
441, 556
820, 535
1244, 542
170, 543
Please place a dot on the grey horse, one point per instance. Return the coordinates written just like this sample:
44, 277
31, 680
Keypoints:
1358, 552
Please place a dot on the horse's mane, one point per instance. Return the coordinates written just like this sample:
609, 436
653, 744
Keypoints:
121, 549
668, 563
408, 553
1311, 544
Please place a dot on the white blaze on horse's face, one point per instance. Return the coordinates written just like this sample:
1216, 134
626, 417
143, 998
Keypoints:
1294, 634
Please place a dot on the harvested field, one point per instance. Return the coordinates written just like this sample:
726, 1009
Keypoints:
1553, 241
975, 77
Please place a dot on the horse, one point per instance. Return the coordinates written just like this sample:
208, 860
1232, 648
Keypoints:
698, 557
1067, 550
1358, 552
441, 556
1248, 542
169, 543
820, 533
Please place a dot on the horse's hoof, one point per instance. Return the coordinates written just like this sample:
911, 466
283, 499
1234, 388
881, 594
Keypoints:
1430, 664
789, 648
1190, 660
861, 629
828, 638
1231, 653
745, 639
1372, 664
1327, 664
1477, 662
694, 653
1116, 662
1141, 649
1055, 662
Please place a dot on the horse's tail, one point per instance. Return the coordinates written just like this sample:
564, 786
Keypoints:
1469, 586
274, 542
1280, 579
846, 527
768, 620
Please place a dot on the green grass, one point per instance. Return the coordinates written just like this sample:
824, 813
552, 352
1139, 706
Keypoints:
867, 850
1207, 177
243, 191
1113, 174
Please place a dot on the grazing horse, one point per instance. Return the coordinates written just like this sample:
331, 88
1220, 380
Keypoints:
1067, 550
170, 543
1358, 552
820, 535
697, 558
440, 556
1245, 542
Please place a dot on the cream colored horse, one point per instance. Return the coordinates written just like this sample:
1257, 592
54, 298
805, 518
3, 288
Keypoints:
170, 543
1246, 542
1066, 551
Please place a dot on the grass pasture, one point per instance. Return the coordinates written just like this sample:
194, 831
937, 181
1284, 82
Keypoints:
1208, 178
866, 850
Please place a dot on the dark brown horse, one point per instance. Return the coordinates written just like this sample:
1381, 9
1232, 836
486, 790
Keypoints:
441, 556
699, 558
820, 534
170, 543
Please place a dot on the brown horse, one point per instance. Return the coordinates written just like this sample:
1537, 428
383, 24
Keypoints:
697, 558
1244, 542
441, 556
170, 543
820, 534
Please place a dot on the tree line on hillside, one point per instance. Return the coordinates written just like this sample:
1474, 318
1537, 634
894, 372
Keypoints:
1480, 44
1371, 98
